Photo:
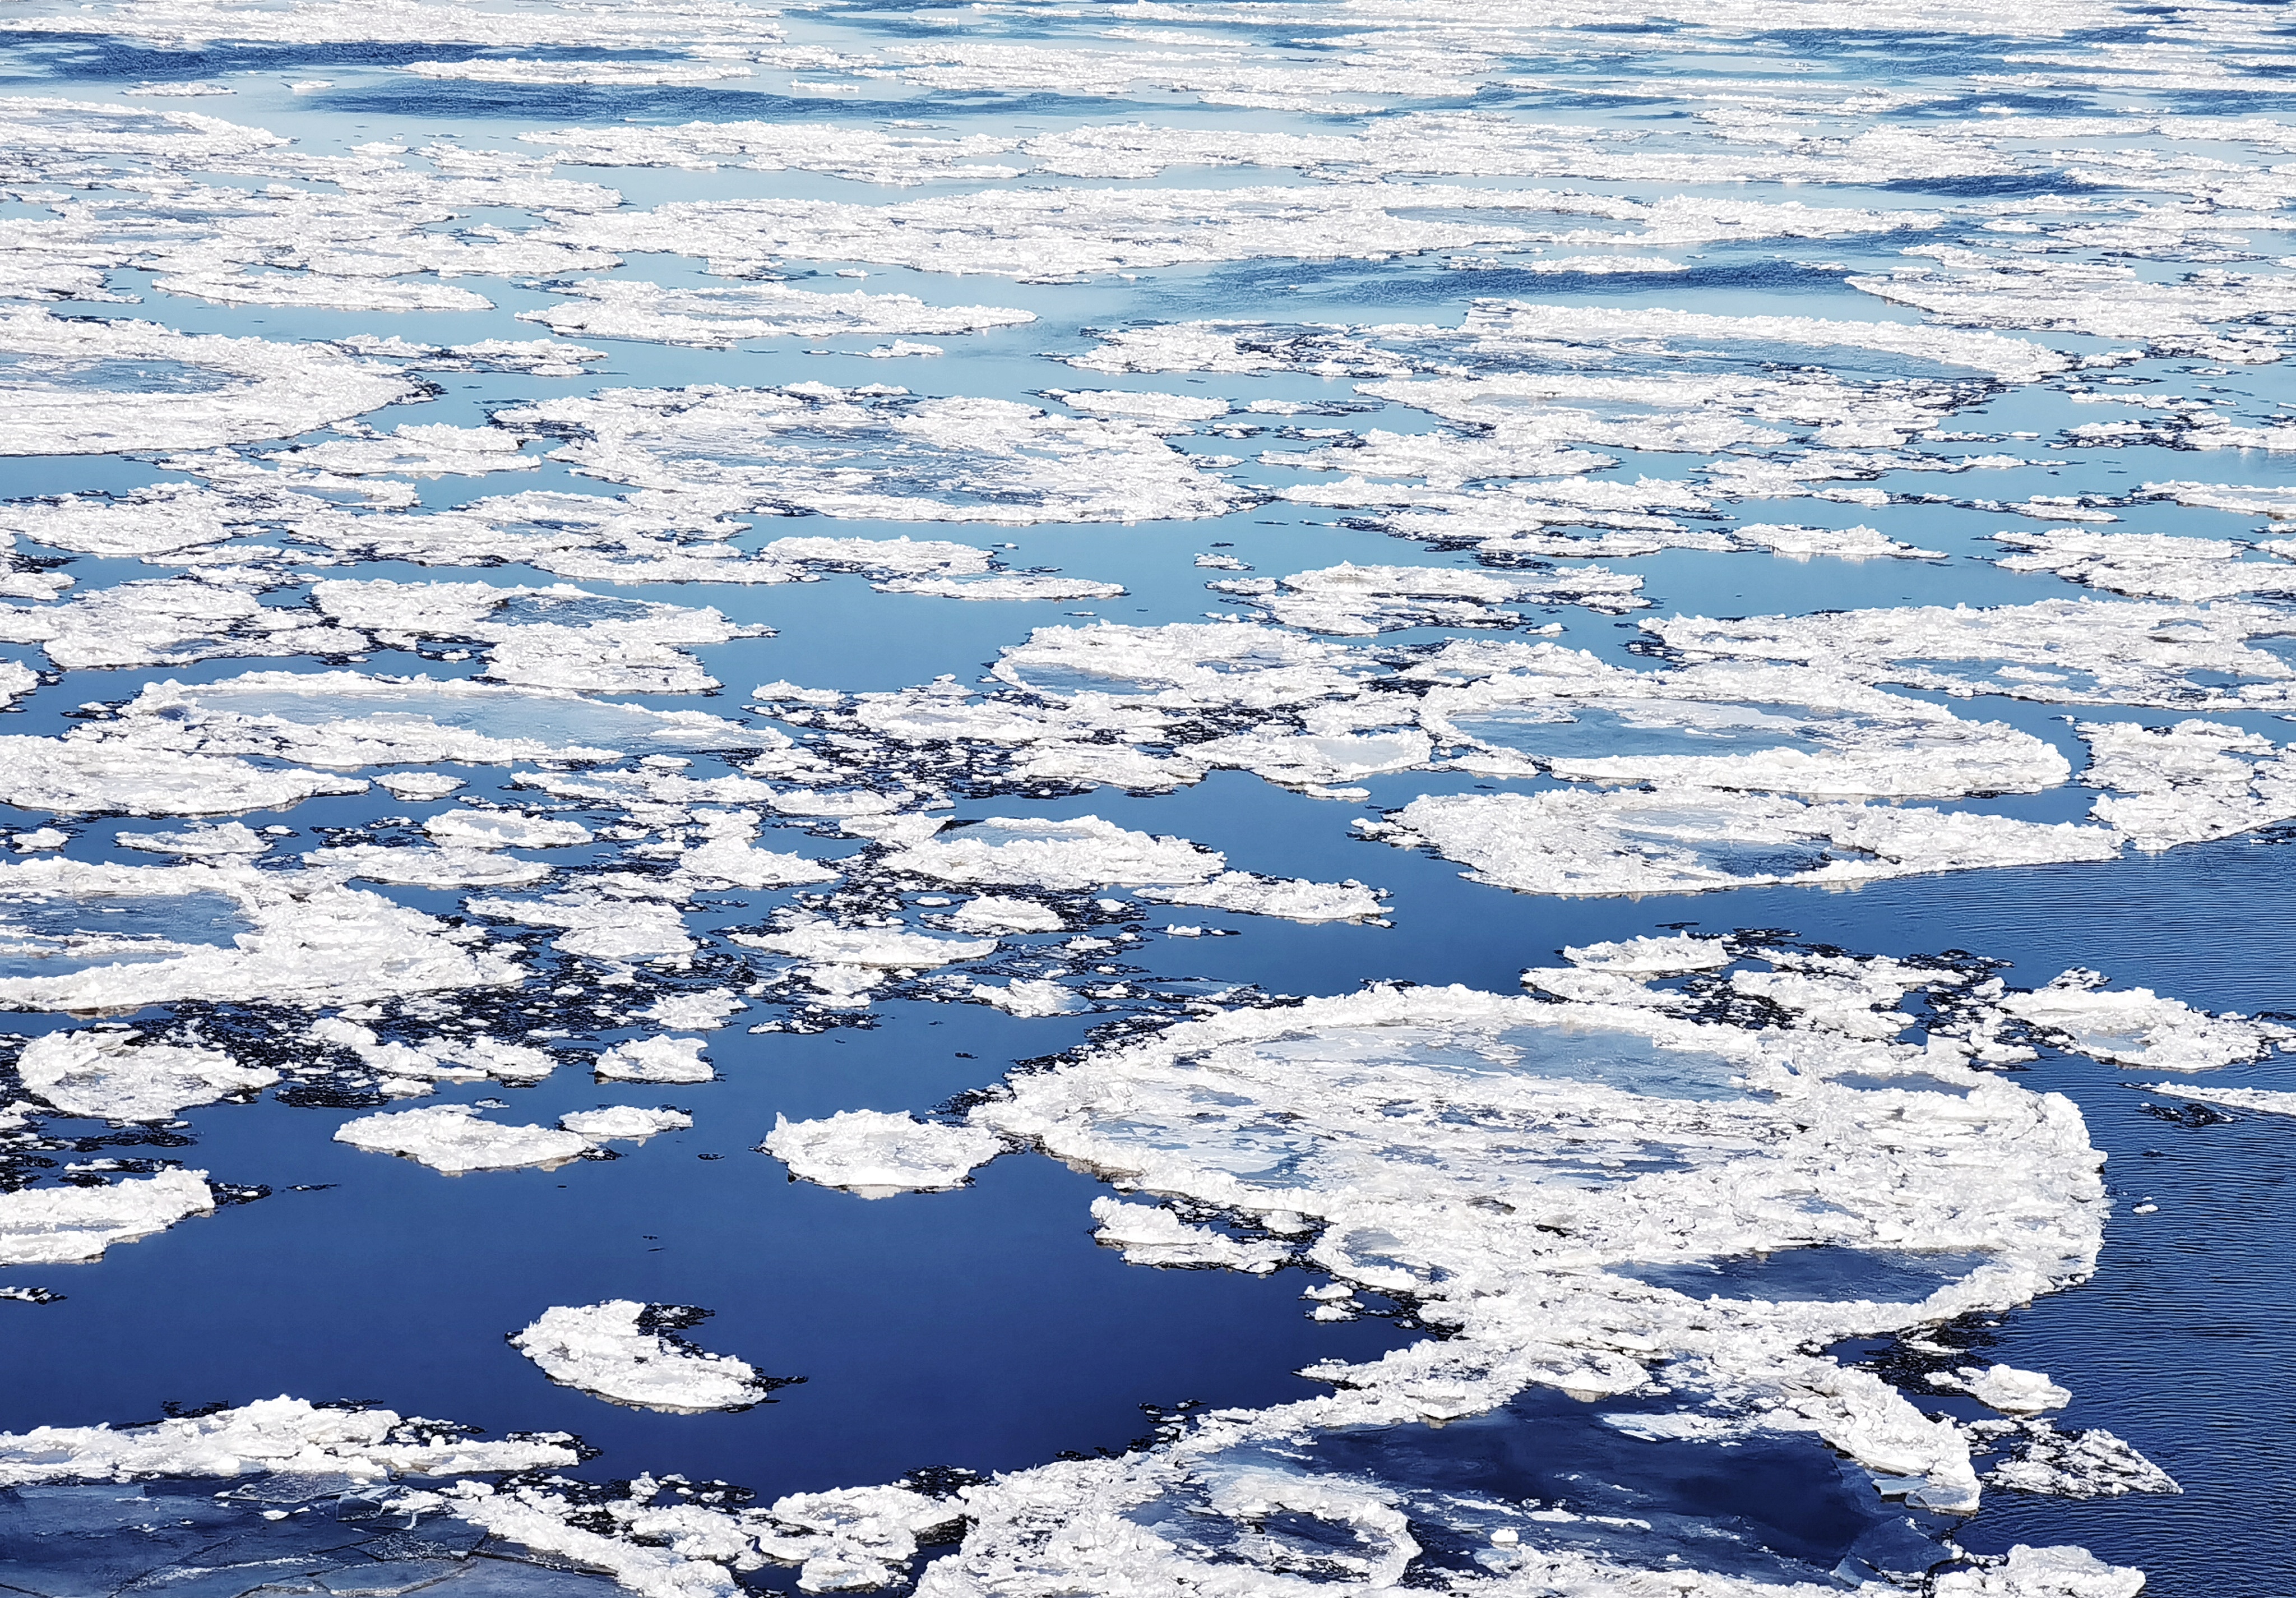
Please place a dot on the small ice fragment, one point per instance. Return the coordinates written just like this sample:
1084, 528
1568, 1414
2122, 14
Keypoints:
1026, 998
417, 786
2007, 1388
624, 1122
993, 912
1153, 1235
876, 1155
503, 829
656, 1059
232, 837
616, 1351
701, 1012
1653, 956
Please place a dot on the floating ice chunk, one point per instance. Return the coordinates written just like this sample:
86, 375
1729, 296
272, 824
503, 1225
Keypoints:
1238, 666
1690, 840
166, 518
1086, 852
503, 829
876, 1155
802, 447
994, 913
727, 855
903, 556
63, 1226
313, 942
286, 1436
2187, 783
2058, 651
701, 1012
172, 622
1363, 600
626, 1123
342, 720
2028, 1572
601, 925
453, 1138
1842, 543
721, 318
419, 786
1152, 1235
656, 1059
2094, 1463
413, 450
625, 1353
2277, 503
115, 1076
2262, 1099
498, 69
453, 867
866, 946
1683, 951
1178, 410
1028, 998
2138, 1027
67, 397
2007, 1388
414, 1065
1293, 900
2149, 565
198, 842
882, 155
1003, 588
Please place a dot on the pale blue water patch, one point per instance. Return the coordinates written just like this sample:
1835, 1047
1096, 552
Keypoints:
1558, 1477
1831, 1273
50, 935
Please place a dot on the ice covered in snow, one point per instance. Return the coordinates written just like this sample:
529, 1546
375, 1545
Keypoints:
1250, 893
2188, 782
309, 940
625, 1122
1084, 853
2264, 1100
2060, 651
2007, 1388
2136, 1026
1028, 997
800, 447
453, 1138
656, 1059
1354, 600
876, 1155
117, 1075
2149, 565
886, 947
405, 1068
1149, 1234
60, 1226
1511, 1161
503, 829
1025, 586
617, 1351
993, 912
1653, 956
1685, 840
65, 397
718, 319
2094, 1463
284, 1435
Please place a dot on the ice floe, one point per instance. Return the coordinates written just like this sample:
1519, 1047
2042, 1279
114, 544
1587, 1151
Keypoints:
656, 1059
1686, 840
452, 1138
718, 319
2136, 1026
876, 1155
629, 1353
116, 1075
285, 1435
59, 1226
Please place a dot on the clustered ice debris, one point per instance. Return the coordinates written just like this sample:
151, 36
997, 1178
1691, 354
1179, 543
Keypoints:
1756, 750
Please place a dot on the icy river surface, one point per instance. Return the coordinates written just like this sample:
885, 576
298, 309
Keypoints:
1182, 798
